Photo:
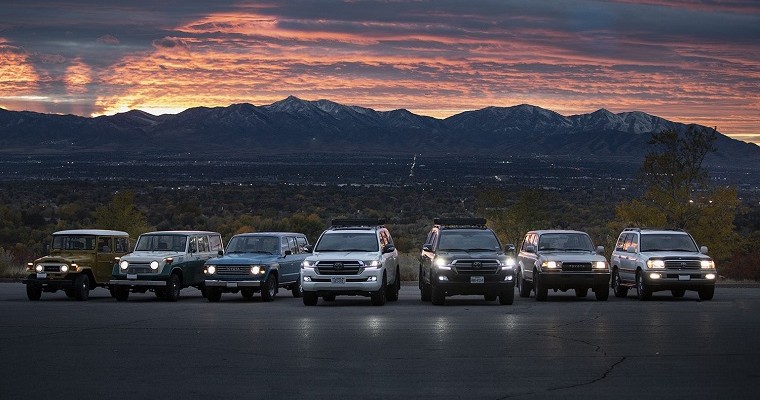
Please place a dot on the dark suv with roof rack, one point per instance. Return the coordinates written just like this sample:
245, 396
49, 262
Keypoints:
651, 260
462, 256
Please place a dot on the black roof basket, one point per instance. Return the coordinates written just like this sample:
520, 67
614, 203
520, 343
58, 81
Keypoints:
346, 222
480, 222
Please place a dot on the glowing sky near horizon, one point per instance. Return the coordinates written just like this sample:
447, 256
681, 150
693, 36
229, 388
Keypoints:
687, 61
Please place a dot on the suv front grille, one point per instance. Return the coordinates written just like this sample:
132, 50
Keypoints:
233, 270
139, 269
682, 264
576, 267
476, 267
339, 267
51, 268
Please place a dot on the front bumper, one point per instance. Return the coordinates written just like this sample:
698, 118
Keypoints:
669, 280
158, 281
231, 284
572, 280
54, 284
469, 284
360, 284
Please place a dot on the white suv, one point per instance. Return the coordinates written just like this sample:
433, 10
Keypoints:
354, 257
652, 260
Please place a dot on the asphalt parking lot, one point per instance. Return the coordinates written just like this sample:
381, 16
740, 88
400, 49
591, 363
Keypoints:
468, 349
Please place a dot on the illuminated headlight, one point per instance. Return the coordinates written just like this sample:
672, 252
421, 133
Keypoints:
38, 268
442, 263
255, 270
508, 263
710, 276
655, 275
154, 265
707, 264
307, 264
64, 268
210, 269
550, 264
371, 264
655, 264
124, 264
600, 265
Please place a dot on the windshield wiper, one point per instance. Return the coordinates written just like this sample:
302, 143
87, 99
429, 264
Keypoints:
262, 252
577, 250
550, 249
465, 250
481, 249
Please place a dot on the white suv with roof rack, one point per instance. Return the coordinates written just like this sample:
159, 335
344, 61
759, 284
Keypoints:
652, 260
354, 257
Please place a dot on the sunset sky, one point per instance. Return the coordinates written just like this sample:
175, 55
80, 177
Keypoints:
688, 61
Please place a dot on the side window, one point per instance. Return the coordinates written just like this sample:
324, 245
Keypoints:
193, 246
621, 242
302, 243
215, 243
383, 238
292, 246
434, 239
525, 242
630, 242
203, 244
105, 245
388, 236
122, 244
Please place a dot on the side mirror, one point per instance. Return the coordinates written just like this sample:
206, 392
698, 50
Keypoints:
288, 252
631, 250
388, 248
703, 249
530, 248
308, 248
427, 247
220, 253
509, 249
600, 250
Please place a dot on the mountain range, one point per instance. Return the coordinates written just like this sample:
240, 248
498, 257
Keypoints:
294, 125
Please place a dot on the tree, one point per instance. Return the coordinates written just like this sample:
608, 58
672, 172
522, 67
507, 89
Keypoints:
512, 221
121, 214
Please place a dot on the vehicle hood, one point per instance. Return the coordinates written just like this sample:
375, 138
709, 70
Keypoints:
67, 258
344, 255
148, 256
693, 255
471, 254
571, 256
244, 259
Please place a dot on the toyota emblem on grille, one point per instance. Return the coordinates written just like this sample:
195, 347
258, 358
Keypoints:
338, 265
477, 264
683, 264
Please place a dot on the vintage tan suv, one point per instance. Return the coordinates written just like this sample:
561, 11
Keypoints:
79, 261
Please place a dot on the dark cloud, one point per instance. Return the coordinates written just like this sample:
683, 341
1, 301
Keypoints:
109, 40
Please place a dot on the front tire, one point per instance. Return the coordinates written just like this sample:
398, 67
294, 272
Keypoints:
437, 295
269, 290
173, 287
296, 289
542, 292
33, 292
617, 286
121, 293
643, 291
581, 292
425, 289
706, 292
489, 297
523, 285
82, 287
392, 292
602, 293
678, 293
213, 294
378, 296
507, 297
310, 299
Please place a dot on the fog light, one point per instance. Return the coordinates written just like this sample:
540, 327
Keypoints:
710, 276
443, 278
655, 275
307, 279
372, 279
508, 278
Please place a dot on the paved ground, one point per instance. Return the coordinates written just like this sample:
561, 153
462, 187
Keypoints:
469, 349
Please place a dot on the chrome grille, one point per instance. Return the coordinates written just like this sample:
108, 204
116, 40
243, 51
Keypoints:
682, 264
139, 269
233, 270
576, 267
51, 268
476, 267
339, 267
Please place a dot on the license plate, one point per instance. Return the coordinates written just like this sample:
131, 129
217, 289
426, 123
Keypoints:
339, 281
477, 279
42, 275
131, 276
231, 284
684, 277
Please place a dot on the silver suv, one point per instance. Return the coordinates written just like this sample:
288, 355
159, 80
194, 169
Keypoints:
652, 260
354, 257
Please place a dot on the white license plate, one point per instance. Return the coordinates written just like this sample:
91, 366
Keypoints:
231, 284
684, 277
41, 275
131, 276
339, 281
477, 279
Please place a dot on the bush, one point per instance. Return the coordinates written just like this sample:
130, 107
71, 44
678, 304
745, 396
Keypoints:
9, 267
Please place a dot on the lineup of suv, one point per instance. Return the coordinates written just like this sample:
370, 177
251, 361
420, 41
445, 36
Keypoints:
357, 257
654, 260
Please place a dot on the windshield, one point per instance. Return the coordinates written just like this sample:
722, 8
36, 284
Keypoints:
161, 243
67, 242
565, 242
468, 240
254, 244
667, 242
348, 241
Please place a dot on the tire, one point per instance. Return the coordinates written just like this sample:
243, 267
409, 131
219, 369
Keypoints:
310, 299
489, 297
706, 292
678, 293
269, 289
82, 287
602, 293
246, 293
643, 292
70, 292
523, 285
617, 286
378, 296
542, 292
425, 289
121, 293
507, 297
581, 292
33, 292
160, 292
392, 292
296, 289
173, 287
437, 295
328, 297
213, 294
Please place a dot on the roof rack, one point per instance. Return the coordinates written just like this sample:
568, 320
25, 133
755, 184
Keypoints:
653, 229
346, 222
480, 222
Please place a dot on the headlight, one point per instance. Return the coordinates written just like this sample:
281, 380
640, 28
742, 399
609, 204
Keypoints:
255, 270
64, 268
38, 268
655, 264
550, 264
371, 264
211, 269
600, 265
509, 262
124, 264
307, 264
707, 264
154, 265
442, 263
